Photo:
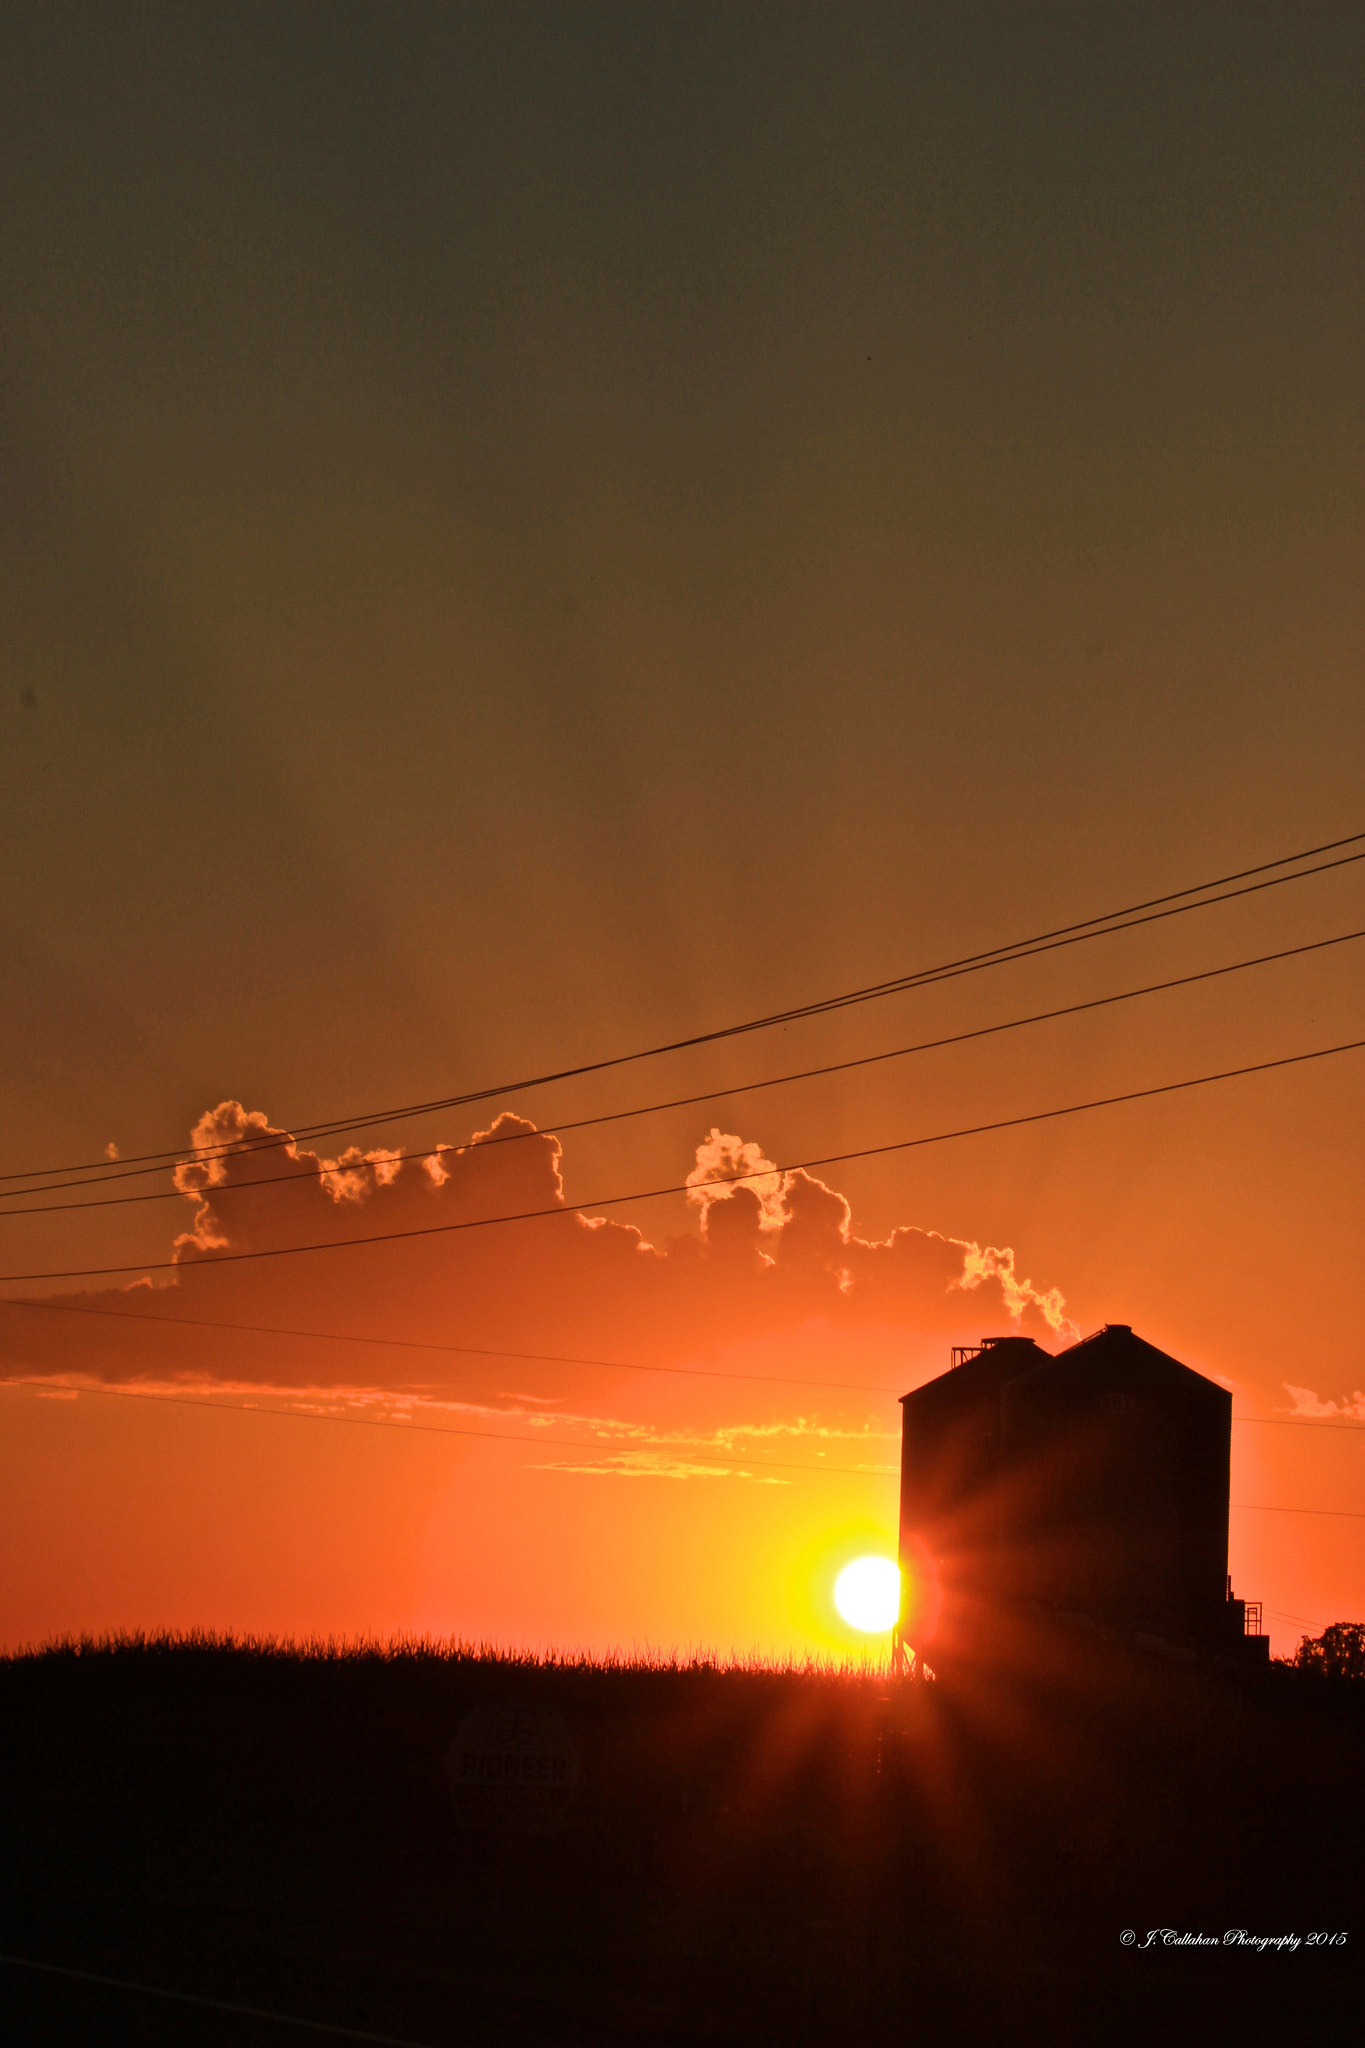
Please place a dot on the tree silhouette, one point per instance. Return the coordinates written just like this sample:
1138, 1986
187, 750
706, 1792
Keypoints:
1339, 1652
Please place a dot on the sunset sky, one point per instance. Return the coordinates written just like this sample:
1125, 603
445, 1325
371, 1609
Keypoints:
532, 533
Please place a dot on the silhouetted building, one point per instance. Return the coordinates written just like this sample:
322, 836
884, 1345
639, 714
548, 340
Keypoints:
1093, 1484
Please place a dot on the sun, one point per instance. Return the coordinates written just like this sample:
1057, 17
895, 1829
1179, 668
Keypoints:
867, 1594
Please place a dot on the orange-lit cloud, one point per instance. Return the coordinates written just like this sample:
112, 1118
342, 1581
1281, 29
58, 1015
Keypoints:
1306, 1402
724, 1157
771, 1260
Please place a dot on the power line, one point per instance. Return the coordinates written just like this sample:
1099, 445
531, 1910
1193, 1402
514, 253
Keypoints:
1251, 1507
251, 2012
1302, 1422
1062, 935
177, 1322
602, 1450
719, 1180
276, 1180
696, 1445
459, 1350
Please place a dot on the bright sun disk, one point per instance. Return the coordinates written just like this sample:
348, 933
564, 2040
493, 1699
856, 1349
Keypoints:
867, 1594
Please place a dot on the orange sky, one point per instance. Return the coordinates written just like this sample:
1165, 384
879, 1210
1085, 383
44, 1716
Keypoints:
651, 1508
528, 536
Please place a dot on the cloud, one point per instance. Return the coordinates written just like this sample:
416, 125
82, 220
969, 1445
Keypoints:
775, 1270
996, 1263
722, 1156
243, 1166
1306, 1402
653, 1465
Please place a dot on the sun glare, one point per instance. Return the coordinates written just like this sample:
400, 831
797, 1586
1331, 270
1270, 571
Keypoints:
867, 1594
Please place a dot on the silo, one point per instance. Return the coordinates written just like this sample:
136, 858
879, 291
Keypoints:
1117, 1506
1090, 1484
952, 1490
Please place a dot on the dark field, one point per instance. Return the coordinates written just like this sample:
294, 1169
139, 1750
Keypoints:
750, 1855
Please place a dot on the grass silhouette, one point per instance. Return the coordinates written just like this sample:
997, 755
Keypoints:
800, 1851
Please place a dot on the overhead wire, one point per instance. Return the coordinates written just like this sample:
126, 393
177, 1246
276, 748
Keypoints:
697, 1445
1062, 935
251, 2012
601, 1449
456, 1350
718, 1180
761, 1379
1251, 1507
331, 1167
1303, 1422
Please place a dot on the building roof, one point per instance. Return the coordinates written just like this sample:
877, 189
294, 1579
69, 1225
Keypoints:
999, 1360
1114, 1354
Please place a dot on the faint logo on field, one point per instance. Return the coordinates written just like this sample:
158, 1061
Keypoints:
511, 1768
